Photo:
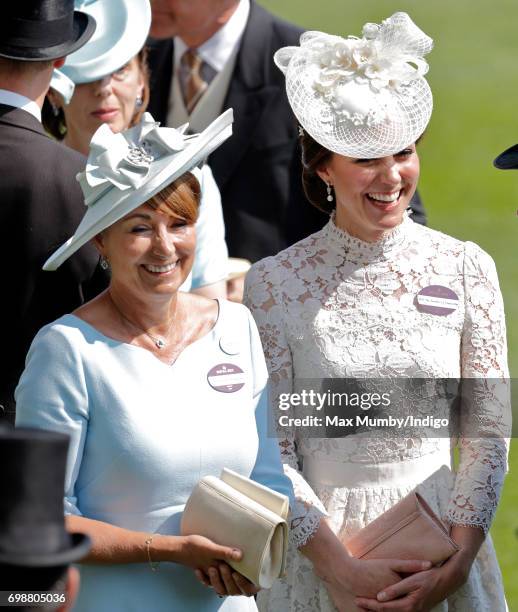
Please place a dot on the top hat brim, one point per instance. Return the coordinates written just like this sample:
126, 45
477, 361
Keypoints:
84, 27
508, 160
80, 546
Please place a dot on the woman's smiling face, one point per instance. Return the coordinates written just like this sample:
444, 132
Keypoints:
150, 252
372, 194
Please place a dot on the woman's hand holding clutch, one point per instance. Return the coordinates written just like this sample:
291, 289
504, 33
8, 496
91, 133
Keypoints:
226, 581
199, 552
345, 576
424, 590
365, 576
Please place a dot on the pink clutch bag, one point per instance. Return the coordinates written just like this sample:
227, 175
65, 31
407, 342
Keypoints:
408, 530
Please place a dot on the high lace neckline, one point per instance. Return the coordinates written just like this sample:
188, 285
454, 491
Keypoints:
360, 251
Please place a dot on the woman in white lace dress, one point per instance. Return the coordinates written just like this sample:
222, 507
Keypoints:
342, 303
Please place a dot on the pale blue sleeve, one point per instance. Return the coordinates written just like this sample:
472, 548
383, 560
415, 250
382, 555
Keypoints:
268, 469
52, 395
211, 255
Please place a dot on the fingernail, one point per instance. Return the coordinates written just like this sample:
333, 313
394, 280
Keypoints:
426, 564
236, 554
382, 596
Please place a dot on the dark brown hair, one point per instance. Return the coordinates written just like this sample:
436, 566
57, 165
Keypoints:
314, 155
54, 120
180, 199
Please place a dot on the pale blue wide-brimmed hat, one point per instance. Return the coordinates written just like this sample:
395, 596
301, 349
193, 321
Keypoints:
122, 29
126, 169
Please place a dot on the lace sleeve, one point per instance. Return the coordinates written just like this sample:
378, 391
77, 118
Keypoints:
262, 297
485, 418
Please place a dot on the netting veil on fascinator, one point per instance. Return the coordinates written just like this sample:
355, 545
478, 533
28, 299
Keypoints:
361, 97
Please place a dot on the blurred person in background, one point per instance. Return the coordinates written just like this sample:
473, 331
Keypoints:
40, 200
107, 82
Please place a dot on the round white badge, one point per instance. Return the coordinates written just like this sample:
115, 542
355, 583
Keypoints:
229, 345
226, 378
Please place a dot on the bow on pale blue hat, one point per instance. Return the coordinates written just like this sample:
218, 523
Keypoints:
124, 159
125, 170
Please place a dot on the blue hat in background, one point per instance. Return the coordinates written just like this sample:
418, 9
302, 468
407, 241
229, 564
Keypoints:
508, 160
122, 29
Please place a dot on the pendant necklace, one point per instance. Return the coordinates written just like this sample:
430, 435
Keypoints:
158, 342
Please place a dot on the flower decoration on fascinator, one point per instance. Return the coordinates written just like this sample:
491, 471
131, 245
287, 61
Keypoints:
361, 97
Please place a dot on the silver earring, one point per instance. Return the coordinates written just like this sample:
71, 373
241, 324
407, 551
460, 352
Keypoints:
55, 110
139, 101
329, 192
103, 262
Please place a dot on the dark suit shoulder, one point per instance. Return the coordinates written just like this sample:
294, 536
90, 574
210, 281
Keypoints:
272, 28
285, 31
37, 159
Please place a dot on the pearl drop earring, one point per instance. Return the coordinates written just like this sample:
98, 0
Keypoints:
329, 192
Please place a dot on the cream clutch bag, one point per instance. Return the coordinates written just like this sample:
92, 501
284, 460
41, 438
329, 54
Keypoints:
408, 530
235, 511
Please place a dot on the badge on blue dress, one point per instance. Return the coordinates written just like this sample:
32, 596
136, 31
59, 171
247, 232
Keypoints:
226, 378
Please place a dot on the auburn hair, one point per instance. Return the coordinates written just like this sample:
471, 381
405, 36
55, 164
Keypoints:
180, 199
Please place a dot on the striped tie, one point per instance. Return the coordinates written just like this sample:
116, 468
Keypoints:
191, 79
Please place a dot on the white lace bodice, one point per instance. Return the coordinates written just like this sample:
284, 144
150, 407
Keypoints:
334, 306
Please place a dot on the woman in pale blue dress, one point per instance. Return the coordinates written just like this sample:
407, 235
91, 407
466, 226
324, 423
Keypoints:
156, 388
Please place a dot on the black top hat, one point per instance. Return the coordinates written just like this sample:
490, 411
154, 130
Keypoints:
35, 30
32, 524
508, 159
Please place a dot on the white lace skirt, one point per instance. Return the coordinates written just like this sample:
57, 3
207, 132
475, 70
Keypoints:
354, 495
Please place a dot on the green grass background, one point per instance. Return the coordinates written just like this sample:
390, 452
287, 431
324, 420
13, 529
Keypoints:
474, 79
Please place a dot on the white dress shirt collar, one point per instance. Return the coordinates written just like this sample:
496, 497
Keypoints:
12, 98
219, 48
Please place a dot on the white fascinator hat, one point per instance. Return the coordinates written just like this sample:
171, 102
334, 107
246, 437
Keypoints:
121, 32
126, 169
361, 97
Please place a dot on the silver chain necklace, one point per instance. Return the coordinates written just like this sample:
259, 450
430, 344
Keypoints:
159, 343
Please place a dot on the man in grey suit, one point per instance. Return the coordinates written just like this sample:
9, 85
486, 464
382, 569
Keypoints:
210, 55
40, 201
